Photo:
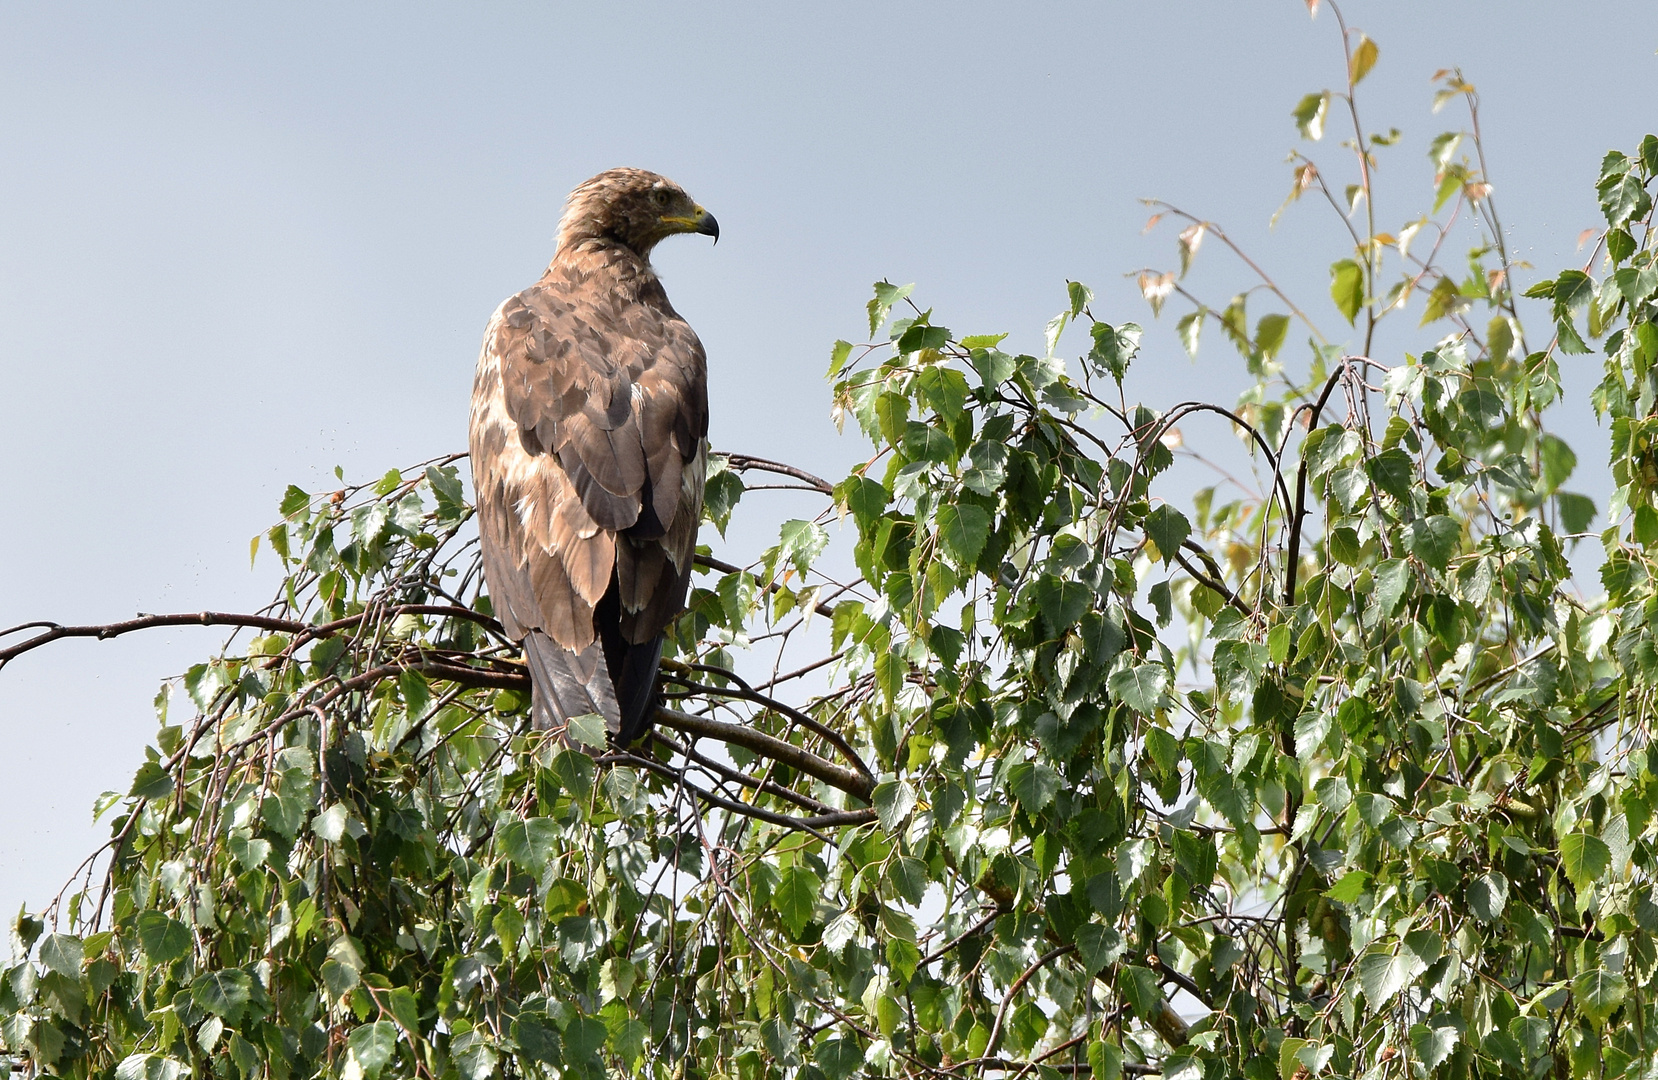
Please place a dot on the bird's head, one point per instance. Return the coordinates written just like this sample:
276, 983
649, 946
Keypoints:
633, 207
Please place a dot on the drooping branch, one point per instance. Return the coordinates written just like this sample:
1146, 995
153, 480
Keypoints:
51, 631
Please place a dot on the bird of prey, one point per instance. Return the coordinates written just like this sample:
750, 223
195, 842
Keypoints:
588, 440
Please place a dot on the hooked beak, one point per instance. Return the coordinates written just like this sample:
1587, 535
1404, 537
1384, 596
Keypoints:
700, 221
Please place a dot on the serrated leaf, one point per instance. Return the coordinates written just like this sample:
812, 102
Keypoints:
63, 953
886, 295
1363, 58
1487, 896
1347, 288
1393, 471
1584, 858
1168, 529
894, 800
1433, 1044
1270, 334
223, 993
838, 357
841, 931
1350, 887
528, 842
1384, 974
800, 542
152, 781
1190, 328
963, 529
795, 896
1099, 946
372, 1046
1598, 993
163, 939
1140, 687
588, 729
1033, 785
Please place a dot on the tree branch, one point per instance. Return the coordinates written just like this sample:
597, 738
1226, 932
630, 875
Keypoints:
795, 757
51, 631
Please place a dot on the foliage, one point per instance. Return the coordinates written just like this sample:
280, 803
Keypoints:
1332, 775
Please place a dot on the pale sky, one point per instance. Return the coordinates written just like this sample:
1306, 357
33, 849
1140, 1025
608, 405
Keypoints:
239, 247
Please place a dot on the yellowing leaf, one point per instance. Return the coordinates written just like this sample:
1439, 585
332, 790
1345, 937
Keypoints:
1362, 60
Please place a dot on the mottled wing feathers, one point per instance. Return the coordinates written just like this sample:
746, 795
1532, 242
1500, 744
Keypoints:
589, 415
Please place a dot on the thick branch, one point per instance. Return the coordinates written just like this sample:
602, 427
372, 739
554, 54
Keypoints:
795, 757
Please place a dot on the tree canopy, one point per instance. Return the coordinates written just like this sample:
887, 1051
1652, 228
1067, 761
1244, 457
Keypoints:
1324, 769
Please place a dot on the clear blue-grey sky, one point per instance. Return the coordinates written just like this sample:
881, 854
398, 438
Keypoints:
240, 245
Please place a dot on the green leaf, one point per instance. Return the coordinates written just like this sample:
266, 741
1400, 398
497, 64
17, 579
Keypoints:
223, 993
962, 531
63, 953
921, 336
1573, 290
1435, 539
1309, 115
1584, 858
1168, 529
1347, 288
867, 499
1576, 511
1081, 296
1433, 1044
372, 1046
1270, 333
528, 842
162, 938
1033, 785
1623, 198
839, 355
405, 1009
1114, 348
839, 1058
149, 1067
293, 501
536, 1040
795, 896
1344, 545
1383, 974
894, 800
1394, 472
1350, 887
1190, 328
1140, 986
1487, 896
1598, 993
152, 781
994, 367
1099, 946
1140, 687
886, 295
588, 729
800, 542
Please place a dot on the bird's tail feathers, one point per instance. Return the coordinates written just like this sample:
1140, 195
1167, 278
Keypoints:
568, 684
636, 690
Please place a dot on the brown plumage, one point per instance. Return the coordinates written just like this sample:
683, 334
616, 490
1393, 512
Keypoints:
589, 420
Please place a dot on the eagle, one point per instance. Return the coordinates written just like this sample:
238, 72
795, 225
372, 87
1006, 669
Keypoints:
588, 443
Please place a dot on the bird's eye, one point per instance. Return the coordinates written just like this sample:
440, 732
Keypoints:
659, 197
